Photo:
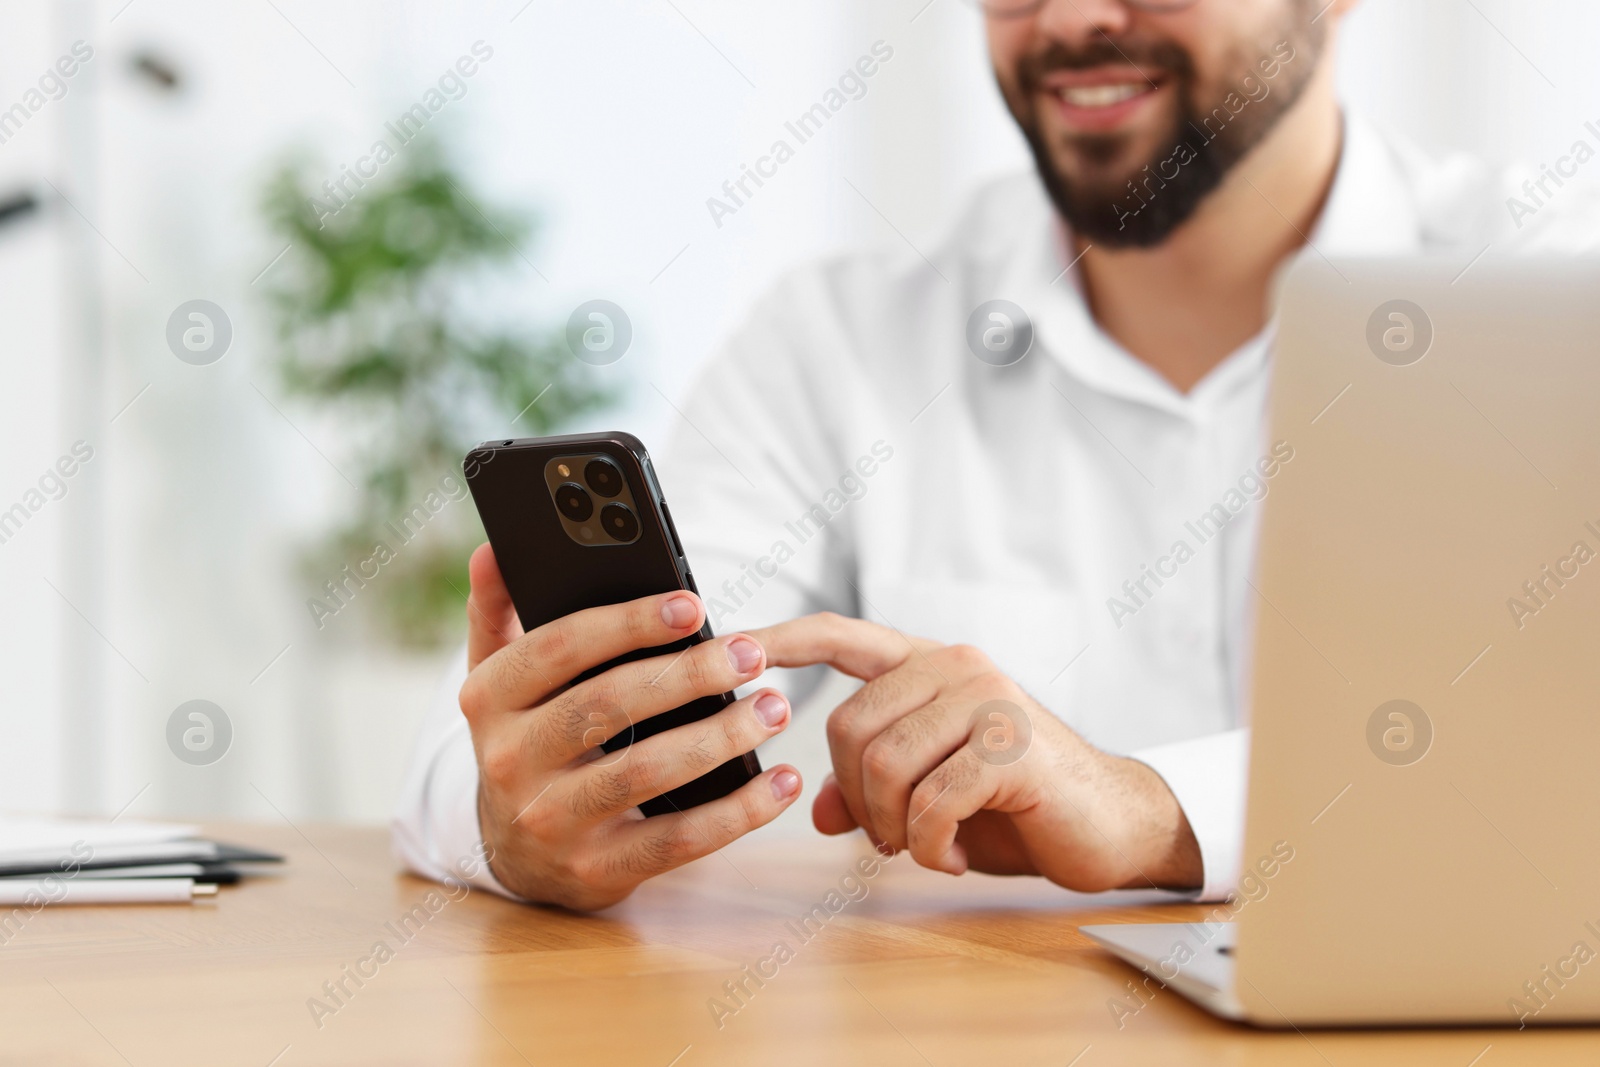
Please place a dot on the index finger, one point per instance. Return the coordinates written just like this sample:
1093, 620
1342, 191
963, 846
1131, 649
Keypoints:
856, 647
524, 672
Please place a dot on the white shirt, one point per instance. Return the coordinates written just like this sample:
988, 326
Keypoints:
1006, 506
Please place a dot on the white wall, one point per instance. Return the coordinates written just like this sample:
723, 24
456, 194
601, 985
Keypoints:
616, 119
34, 431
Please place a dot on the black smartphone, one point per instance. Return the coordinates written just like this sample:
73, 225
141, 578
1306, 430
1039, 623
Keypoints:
579, 522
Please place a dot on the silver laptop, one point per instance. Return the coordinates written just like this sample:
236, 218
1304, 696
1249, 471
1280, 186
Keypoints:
1422, 842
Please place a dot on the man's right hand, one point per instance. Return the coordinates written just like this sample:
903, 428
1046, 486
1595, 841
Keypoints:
560, 817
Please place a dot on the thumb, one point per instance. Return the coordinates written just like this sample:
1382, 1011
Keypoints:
491, 619
828, 811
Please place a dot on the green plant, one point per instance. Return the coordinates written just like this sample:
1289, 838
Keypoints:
377, 310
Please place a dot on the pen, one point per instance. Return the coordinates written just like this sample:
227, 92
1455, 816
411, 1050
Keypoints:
32, 892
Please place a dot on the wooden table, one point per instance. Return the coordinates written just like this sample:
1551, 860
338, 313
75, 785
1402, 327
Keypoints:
923, 970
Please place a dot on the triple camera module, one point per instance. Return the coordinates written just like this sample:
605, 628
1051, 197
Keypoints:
575, 482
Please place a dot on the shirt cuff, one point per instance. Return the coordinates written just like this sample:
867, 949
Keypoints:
438, 836
1208, 776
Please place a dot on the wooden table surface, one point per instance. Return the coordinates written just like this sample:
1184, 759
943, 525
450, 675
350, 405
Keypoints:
924, 969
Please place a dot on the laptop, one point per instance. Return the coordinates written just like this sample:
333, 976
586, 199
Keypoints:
1422, 840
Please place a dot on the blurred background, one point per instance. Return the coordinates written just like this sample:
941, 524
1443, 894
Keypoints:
356, 333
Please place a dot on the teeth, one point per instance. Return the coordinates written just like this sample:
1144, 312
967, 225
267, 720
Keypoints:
1099, 95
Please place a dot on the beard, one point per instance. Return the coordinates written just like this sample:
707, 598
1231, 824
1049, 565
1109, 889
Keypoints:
1126, 200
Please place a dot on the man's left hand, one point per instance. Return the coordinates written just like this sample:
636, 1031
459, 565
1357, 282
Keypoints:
941, 754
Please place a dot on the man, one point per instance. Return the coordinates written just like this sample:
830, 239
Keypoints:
995, 449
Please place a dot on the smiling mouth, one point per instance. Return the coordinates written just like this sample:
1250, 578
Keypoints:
1097, 96
1103, 100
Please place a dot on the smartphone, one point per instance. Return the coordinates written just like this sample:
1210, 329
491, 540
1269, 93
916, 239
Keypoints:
579, 522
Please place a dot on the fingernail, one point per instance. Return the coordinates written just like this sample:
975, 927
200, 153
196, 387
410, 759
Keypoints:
785, 784
678, 612
744, 654
771, 708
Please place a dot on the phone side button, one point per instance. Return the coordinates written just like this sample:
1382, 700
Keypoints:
688, 579
672, 530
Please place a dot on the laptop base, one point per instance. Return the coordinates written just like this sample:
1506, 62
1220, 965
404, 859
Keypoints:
1194, 959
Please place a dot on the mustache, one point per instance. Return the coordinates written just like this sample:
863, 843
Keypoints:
1147, 55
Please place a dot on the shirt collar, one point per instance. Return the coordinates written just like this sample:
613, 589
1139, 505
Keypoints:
1370, 211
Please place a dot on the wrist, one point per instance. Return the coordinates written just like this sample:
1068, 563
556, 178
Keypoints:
492, 851
1167, 851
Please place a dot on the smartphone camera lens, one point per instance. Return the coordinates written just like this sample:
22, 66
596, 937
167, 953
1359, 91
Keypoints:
620, 522
603, 477
574, 503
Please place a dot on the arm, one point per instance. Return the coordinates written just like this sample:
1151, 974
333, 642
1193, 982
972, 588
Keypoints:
434, 831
